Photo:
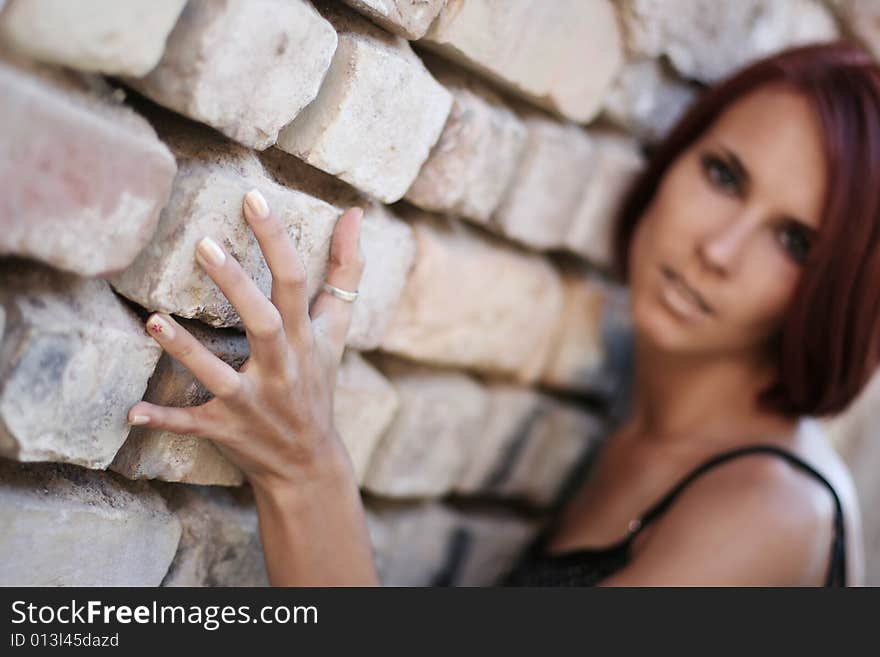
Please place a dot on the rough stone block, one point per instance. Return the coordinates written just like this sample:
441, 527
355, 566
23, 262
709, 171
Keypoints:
66, 526
407, 18
213, 177
220, 542
439, 417
706, 40
647, 101
493, 541
472, 164
245, 67
561, 55
377, 115
74, 359
84, 178
107, 36
617, 162
548, 185
474, 301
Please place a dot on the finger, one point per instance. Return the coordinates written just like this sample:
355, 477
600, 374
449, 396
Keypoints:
262, 320
187, 421
218, 377
331, 315
289, 281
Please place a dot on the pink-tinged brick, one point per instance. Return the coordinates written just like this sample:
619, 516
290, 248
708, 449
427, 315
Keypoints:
84, 178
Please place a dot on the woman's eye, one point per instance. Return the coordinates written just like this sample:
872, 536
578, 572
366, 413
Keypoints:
795, 242
720, 174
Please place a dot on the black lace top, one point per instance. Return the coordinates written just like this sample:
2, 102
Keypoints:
586, 567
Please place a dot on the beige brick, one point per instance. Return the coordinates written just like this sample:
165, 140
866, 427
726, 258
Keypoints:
476, 302
407, 18
245, 67
377, 115
860, 18
471, 166
213, 177
74, 359
220, 542
107, 36
66, 526
493, 541
706, 40
617, 162
647, 100
84, 178
593, 349
548, 185
439, 417
561, 55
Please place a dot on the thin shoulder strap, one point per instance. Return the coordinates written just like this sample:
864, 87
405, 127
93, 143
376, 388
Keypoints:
837, 568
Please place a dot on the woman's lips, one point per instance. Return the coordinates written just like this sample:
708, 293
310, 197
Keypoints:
680, 287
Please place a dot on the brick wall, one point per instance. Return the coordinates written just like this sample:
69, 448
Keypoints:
488, 140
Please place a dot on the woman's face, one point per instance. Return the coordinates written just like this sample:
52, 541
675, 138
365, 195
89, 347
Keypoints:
733, 217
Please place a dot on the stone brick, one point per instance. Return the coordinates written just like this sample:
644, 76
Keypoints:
530, 444
493, 541
104, 36
438, 420
74, 359
471, 166
474, 301
706, 40
593, 349
220, 542
617, 162
377, 115
245, 67
561, 55
213, 177
84, 178
407, 18
67, 526
548, 185
861, 18
646, 100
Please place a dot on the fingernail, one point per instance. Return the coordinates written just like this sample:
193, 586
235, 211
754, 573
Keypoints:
359, 213
257, 204
211, 251
139, 419
159, 327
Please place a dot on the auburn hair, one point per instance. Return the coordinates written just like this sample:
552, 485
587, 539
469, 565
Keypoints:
829, 344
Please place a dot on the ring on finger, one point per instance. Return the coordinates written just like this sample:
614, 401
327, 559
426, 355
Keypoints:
345, 295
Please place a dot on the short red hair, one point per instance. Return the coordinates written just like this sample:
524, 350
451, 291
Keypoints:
829, 344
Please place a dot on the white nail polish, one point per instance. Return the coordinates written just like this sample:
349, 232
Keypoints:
257, 203
211, 251
139, 419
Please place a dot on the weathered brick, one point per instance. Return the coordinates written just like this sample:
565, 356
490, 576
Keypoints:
104, 36
407, 18
616, 164
213, 177
220, 542
529, 445
439, 418
561, 55
68, 526
548, 185
646, 100
593, 349
472, 164
706, 40
84, 177
245, 67
377, 115
474, 301
493, 541
74, 359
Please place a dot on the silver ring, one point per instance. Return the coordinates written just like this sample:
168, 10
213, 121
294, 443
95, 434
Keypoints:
345, 295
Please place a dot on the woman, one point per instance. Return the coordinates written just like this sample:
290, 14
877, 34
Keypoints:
751, 246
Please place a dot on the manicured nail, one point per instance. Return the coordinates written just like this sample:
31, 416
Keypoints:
211, 251
359, 213
257, 204
159, 327
139, 419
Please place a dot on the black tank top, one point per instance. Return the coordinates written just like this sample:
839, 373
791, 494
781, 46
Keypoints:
587, 566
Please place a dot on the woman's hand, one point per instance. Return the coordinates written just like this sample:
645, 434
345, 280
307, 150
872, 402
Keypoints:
274, 417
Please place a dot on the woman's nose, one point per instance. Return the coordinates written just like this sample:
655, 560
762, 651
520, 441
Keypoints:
723, 249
